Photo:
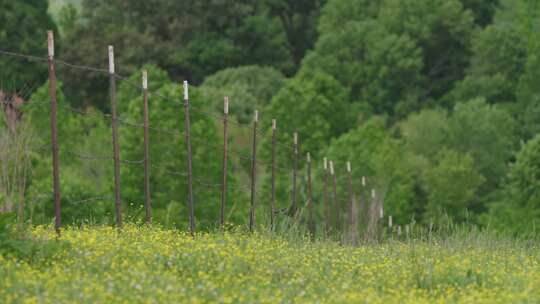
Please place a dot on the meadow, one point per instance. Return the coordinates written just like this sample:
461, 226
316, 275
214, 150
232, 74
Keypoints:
99, 264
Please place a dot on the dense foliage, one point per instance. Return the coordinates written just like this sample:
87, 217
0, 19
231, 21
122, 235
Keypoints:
248, 88
190, 39
23, 29
436, 102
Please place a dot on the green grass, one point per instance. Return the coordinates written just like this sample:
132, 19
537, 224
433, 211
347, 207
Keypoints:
152, 265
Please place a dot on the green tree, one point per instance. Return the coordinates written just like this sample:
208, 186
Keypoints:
528, 106
299, 19
451, 186
85, 152
372, 62
337, 12
525, 174
517, 209
314, 105
372, 47
28, 37
425, 132
503, 65
189, 39
485, 133
442, 29
499, 56
168, 181
488, 134
483, 10
249, 88
375, 155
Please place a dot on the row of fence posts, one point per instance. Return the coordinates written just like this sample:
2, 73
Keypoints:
328, 165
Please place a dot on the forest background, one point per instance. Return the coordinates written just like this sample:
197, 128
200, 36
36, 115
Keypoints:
435, 101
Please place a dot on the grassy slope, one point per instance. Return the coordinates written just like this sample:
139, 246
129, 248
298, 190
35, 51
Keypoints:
154, 265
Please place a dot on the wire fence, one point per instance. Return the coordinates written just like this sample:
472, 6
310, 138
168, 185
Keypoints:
282, 173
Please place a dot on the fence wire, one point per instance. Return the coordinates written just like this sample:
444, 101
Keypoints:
237, 155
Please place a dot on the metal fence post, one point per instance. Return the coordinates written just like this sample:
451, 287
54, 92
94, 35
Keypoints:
295, 173
54, 133
325, 198
273, 197
187, 131
253, 172
225, 150
336, 199
148, 203
116, 149
353, 219
311, 223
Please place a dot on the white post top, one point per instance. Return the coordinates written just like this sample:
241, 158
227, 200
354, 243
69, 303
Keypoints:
363, 181
295, 136
226, 105
256, 116
390, 221
349, 166
111, 59
373, 193
325, 161
308, 157
331, 167
145, 80
50, 43
274, 124
381, 212
186, 95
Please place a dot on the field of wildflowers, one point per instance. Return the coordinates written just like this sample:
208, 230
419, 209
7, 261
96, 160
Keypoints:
154, 265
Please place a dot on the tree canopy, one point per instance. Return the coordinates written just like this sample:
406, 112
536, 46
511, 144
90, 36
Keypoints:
436, 102
24, 26
189, 39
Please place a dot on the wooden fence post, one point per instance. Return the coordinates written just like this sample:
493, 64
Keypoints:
148, 203
54, 133
116, 149
187, 132
253, 172
225, 160
273, 197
